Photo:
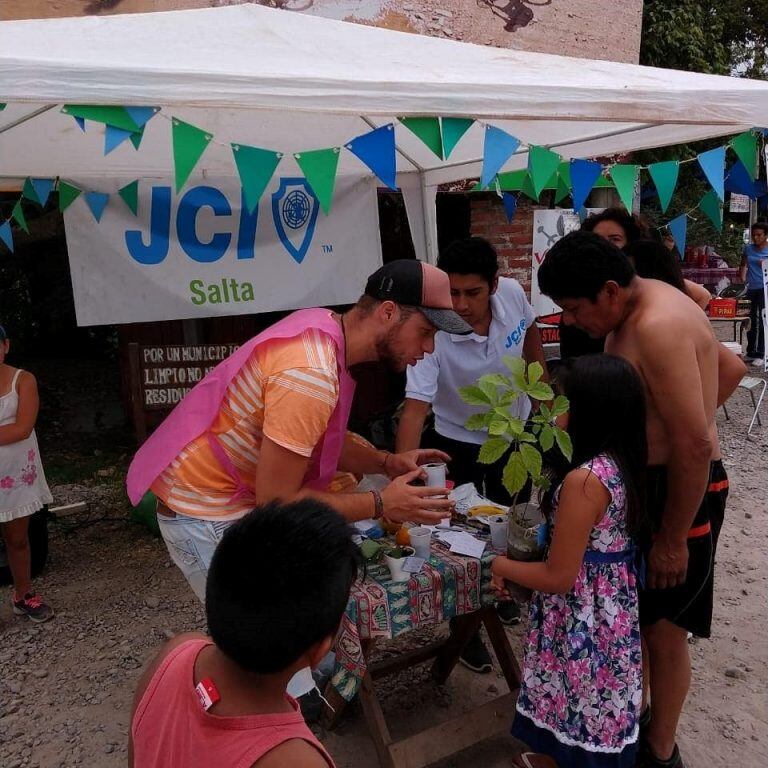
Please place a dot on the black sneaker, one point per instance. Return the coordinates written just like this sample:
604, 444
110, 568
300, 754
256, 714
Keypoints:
509, 612
475, 655
32, 605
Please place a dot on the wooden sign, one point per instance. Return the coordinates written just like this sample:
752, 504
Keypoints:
162, 374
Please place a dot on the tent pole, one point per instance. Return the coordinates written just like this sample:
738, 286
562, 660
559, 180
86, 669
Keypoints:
24, 119
429, 209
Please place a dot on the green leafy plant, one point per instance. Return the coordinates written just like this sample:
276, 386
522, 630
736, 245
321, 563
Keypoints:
523, 443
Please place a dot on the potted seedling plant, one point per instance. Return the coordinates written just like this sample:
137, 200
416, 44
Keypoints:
395, 559
522, 443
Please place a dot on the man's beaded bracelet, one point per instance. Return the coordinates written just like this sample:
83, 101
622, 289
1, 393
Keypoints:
378, 505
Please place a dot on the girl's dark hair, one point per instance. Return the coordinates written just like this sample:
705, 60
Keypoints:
3, 334
634, 227
654, 260
607, 416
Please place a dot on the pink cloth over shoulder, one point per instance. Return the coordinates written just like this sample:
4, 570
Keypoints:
171, 729
196, 412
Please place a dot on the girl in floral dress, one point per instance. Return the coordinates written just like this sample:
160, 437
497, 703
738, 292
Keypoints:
23, 489
580, 698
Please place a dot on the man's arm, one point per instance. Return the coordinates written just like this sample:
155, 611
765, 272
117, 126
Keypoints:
743, 267
280, 475
672, 376
411, 424
730, 371
698, 293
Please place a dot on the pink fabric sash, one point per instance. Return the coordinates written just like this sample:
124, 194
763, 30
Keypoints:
197, 411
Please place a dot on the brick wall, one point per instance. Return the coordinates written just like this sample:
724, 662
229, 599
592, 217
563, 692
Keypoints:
512, 240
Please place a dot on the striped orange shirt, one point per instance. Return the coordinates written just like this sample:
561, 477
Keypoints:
287, 391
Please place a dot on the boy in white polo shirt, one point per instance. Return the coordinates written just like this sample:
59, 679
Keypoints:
503, 324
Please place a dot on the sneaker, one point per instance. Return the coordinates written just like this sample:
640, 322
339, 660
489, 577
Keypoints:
509, 612
758, 362
32, 606
475, 655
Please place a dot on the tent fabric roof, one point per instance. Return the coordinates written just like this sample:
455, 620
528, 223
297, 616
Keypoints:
293, 82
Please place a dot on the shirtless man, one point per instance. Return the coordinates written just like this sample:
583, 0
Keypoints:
686, 376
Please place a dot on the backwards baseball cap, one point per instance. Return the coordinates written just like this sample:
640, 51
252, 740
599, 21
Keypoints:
420, 285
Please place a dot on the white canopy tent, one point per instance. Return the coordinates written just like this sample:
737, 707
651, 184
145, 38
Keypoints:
293, 82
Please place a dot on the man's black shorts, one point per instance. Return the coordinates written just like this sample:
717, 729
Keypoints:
688, 605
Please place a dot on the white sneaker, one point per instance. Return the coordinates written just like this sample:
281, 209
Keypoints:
758, 362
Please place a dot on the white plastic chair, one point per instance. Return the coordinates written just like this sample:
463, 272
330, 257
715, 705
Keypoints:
752, 383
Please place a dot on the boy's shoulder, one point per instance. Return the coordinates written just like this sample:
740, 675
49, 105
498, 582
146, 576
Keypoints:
297, 753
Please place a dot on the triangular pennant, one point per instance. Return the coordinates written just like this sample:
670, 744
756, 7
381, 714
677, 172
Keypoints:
17, 214
542, 165
510, 205
6, 235
738, 180
678, 228
67, 195
255, 167
562, 190
137, 137
453, 128
745, 147
584, 174
713, 209
377, 150
97, 202
664, 177
141, 115
130, 194
189, 143
713, 165
2, 107
527, 188
28, 190
428, 130
319, 169
81, 123
43, 189
114, 137
498, 147
625, 179
117, 116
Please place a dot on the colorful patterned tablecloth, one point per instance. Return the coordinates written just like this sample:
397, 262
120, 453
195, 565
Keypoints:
709, 275
448, 585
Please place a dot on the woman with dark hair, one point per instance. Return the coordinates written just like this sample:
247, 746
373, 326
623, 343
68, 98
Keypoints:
581, 694
619, 227
654, 260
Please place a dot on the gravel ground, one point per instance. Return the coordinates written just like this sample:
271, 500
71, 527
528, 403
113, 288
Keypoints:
66, 686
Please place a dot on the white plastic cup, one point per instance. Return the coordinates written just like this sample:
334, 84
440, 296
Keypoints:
436, 474
420, 541
395, 565
499, 527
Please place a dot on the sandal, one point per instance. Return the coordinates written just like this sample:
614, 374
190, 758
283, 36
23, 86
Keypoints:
533, 760
649, 760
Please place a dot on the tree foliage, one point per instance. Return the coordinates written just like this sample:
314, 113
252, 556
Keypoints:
713, 36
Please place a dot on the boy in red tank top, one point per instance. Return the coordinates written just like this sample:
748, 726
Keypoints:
277, 588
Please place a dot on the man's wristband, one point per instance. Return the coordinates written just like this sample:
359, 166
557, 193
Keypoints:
384, 459
378, 505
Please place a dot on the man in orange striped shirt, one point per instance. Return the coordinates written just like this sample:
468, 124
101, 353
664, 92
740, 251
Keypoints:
276, 411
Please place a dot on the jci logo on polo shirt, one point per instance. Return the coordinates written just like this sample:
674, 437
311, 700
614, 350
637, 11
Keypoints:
516, 336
